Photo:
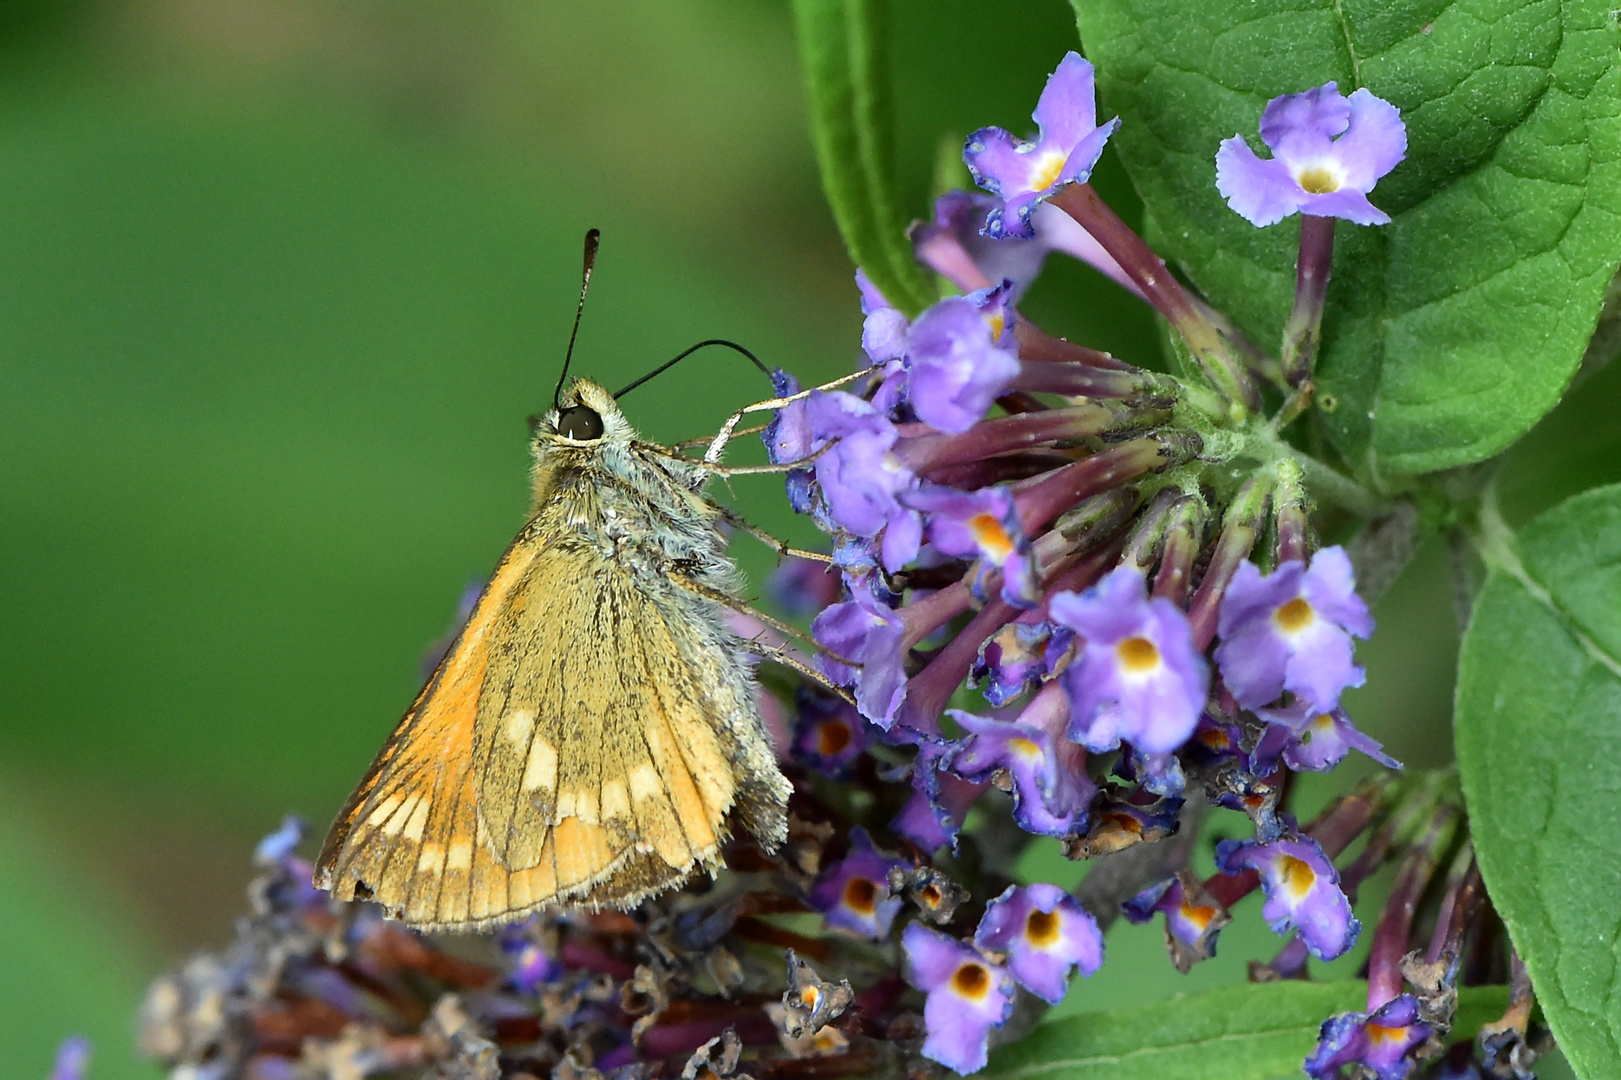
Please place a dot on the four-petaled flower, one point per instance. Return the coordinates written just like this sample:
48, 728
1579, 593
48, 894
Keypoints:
981, 525
1067, 147
1046, 935
1138, 676
1382, 1041
853, 893
1302, 891
968, 996
1328, 152
1291, 630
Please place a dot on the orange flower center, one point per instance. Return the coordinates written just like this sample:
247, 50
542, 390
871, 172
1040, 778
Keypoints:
992, 539
1045, 173
861, 895
971, 981
1041, 928
1296, 877
1137, 654
1198, 916
1024, 748
832, 737
1295, 616
1318, 181
930, 895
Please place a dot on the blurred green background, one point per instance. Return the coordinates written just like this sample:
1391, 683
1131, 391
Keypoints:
280, 281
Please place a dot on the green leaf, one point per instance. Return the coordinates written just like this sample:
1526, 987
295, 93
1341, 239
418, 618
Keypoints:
844, 46
1450, 331
1539, 751
1242, 1032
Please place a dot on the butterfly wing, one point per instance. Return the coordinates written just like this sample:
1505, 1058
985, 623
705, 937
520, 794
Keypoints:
598, 740
582, 742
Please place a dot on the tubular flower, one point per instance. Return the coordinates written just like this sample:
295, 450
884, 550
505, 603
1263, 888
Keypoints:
1328, 152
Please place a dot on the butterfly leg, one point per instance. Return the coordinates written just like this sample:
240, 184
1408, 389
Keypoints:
770, 651
718, 444
735, 520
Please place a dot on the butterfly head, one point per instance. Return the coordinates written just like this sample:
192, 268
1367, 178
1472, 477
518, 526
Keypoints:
586, 416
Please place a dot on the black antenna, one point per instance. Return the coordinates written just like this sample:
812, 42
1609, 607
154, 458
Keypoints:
592, 237
668, 364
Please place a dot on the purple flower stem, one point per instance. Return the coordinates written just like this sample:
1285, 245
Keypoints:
1290, 963
921, 448
1037, 344
1460, 904
923, 616
1080, 380
1044, 498
1001, 469
943, 253
1242, 525
1184, 536
929, 690
1396, 920
1148, 271
1303, 332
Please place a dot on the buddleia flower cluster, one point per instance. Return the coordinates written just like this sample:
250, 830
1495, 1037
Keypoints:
1071, 601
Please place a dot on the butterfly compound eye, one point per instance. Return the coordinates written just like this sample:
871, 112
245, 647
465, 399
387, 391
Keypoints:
580, 423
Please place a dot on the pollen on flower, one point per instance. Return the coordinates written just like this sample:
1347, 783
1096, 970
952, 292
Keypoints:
971, 981
1041, 927
1198, 916
1138, 655
1025, 749
990, 536
1295, 616
1044, 172
1296, 876
832, 737
1318, 180
861, 895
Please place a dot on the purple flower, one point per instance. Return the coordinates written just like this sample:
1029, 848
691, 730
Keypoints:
1291, 630
828, 734
1381, 1041
1302, 891
967, 997
1068, 146
883, 334
1018, 657
530, 966
859, 476
1046, 935
952, 245
72, 1059
787, 437
1161, 774
1051, 795
853, 893
1193, 918
1138, 676
1316, 741
933, 815
1328, 151
957, 367
865, 630
982, 525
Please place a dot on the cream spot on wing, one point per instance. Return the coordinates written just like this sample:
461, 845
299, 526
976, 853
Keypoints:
645, 782
615, 800
397, 820
541, 770
384, 811
460, 856
517, 725
431, 859
586, 805
418, 821
565, 804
